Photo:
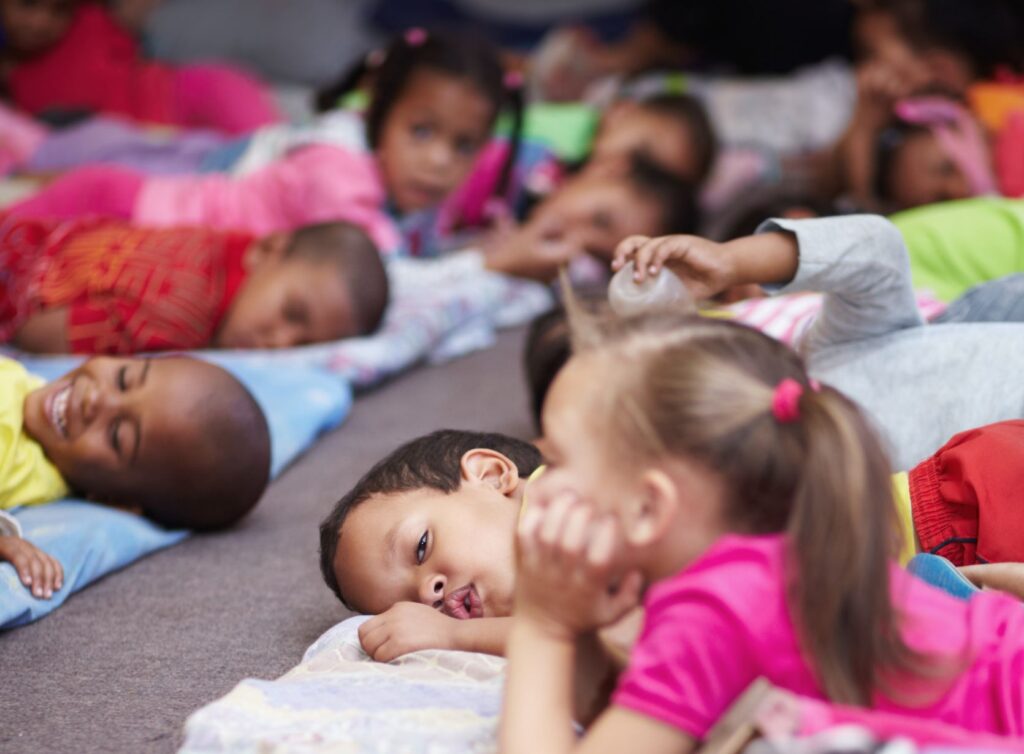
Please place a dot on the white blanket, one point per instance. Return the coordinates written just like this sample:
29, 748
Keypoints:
339, 701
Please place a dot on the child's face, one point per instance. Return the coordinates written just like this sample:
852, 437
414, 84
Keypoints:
31, 26
111, 425
595, 212
629, 128
285, 302
453, 552
922, 173
879, 40
431, 137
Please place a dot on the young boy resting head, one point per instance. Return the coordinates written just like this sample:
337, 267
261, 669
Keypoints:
177, 439
104, 286
425, 539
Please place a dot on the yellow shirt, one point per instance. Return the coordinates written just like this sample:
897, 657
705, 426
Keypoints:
529, 480
901, 493
26, 476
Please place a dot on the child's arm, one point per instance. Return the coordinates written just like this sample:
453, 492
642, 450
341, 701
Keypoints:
45, 332
563, 591
859, 261
411, 626
37, 570
1005, 577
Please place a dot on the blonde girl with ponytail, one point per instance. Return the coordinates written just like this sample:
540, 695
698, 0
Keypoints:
694, 464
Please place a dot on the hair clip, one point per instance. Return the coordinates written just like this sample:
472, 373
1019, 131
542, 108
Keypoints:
415, 36
513, 80
786, 401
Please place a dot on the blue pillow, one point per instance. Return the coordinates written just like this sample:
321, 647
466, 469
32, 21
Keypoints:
92, 540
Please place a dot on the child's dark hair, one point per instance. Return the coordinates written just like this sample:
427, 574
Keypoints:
356, 260
702, 388
429, 462
987, 33
547, 350
675, 197
692, 115
220, 482
466, 56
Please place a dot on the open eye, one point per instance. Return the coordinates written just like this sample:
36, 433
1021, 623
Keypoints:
421, 547
421, 131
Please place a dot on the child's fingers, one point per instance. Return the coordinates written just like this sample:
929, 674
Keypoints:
49, 574
38, 572
554, 520
23, 565
576, 530
626, 249
58, 569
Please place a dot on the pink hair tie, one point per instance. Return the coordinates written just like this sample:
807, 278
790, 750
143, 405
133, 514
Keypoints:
786, 401
513, 80
415, 36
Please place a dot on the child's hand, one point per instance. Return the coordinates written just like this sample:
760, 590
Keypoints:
39, 572
406, 627
566, 576
535, 250
705, 267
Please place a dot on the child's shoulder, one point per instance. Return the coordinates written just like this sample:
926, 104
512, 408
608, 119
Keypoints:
735, 572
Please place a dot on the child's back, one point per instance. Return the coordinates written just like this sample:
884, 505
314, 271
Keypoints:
724, 621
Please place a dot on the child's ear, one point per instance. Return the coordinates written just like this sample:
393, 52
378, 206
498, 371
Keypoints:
647, 518
267, 249
490, 468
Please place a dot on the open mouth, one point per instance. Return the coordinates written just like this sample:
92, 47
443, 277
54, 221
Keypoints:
57, 409
463, 603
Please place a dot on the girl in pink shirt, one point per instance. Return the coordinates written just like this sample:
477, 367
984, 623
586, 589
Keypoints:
434, 103
693, 461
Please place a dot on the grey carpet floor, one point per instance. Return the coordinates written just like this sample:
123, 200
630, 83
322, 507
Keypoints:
121, 665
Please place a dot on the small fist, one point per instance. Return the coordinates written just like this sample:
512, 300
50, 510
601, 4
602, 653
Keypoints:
39, 572
406, 627
570, 578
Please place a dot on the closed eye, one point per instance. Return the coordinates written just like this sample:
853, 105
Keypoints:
122, 379
115, 440
421, 548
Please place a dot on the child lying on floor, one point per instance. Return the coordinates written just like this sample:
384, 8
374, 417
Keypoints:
179, 440
103, 286
65, 57
920, 384
698, 465
425, 539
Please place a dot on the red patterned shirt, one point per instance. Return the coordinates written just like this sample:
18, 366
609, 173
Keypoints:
127, 289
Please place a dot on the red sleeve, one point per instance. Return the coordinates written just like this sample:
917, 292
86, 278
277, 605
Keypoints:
977, 476
112, 325
95, 67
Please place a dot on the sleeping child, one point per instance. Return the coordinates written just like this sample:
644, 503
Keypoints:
176, 439
104, 286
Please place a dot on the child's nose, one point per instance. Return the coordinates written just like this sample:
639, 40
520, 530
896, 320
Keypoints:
432, 591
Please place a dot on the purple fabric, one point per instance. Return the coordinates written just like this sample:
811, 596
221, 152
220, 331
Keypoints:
114, 141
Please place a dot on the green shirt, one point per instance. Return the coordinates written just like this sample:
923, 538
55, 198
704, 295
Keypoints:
957, 245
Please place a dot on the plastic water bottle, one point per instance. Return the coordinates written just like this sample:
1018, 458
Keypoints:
662, 291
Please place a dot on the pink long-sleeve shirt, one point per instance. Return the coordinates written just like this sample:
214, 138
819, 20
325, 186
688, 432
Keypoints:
313, 184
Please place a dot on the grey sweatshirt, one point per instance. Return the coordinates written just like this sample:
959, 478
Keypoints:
920, 383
